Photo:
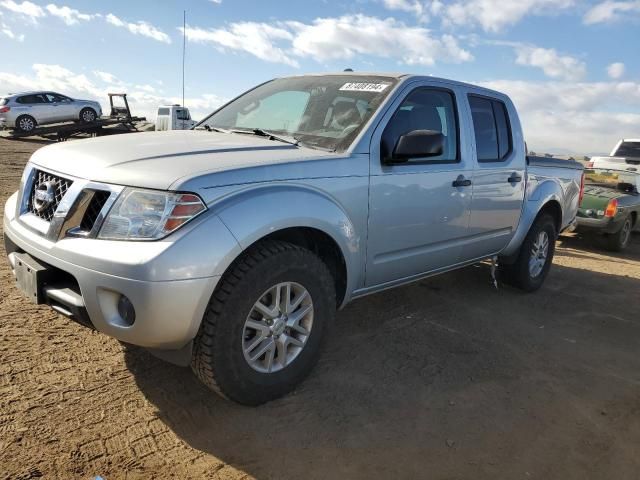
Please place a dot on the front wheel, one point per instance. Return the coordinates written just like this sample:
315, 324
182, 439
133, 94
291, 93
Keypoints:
535, 257
88, 115
264, 326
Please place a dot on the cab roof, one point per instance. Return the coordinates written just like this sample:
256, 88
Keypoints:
401, 77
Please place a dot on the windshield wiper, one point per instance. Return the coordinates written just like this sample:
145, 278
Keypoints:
209, 128
270, 135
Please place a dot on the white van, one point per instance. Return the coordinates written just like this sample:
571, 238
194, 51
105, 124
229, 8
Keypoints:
173, 117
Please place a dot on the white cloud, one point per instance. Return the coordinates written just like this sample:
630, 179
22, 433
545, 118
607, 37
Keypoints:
340, 38
26, 9
258, 39
6, 30
574, 116
70, 16
416, 7
143, 102
551, 62
615, 70
140, 28
107, 77
611, 11
495, 15
217, 2
351, 35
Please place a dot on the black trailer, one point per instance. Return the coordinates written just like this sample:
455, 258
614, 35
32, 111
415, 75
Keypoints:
120, 120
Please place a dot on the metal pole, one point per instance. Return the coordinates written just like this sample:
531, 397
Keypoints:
184, 48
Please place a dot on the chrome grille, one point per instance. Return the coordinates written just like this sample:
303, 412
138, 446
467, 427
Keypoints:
94, 208
47, 191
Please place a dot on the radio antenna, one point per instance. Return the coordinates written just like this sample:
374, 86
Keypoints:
184, 48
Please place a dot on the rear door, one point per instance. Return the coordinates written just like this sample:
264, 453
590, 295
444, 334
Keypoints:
418, 219
498, 177
39, 107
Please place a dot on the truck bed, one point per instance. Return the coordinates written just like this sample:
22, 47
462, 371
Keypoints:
553, 162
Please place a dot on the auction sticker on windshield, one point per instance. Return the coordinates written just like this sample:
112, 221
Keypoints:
364, 87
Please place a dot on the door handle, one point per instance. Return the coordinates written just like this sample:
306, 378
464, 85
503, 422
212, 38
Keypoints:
461, 182
514, 178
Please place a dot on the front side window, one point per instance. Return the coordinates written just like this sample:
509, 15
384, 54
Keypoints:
424, 109
491, 128
182, 114
320, 111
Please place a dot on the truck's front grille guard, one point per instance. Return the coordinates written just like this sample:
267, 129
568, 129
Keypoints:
79, 213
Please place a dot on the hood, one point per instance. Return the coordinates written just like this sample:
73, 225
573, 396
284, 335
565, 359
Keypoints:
173, 159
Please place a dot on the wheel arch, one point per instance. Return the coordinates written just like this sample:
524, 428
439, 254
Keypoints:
532, 210
305, 217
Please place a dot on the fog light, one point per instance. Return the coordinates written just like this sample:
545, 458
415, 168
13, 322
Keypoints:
126, 310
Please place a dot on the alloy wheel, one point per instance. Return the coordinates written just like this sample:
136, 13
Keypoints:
539, 254
277, 327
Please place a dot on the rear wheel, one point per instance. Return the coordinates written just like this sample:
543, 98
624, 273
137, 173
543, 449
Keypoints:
263, 329
88, 115
26, 123
620, 240
534, 260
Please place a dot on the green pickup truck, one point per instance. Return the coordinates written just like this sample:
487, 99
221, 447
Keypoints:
610, 206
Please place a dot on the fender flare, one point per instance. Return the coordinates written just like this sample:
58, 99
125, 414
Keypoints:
290, 205
544, 193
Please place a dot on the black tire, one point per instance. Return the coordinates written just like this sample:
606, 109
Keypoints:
618, 241
218, 359
519, 273
88, 115
26, 123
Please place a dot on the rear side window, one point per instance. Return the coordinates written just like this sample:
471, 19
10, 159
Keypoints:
491, 128
163, 111
32, 99
626, 149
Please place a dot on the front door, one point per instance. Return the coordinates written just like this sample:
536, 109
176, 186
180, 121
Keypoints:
418, 217
498, 179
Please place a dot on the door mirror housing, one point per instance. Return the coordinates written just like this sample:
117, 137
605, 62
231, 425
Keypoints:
417, 144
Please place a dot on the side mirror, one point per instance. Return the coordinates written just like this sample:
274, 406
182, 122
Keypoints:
418, 143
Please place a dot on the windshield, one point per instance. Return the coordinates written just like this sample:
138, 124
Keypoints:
318, 111
628, 149
618, 180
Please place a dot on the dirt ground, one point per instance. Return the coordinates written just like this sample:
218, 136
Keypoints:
444, 379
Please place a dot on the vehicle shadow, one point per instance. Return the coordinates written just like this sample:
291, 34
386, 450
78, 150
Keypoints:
41, 140
445, 378
594, 244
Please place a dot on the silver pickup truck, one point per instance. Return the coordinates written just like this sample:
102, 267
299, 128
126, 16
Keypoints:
230, 247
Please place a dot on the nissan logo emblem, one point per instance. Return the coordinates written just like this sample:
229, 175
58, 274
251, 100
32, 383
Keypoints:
44, 196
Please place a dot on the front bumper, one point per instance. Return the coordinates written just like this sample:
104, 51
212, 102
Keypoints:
169, 297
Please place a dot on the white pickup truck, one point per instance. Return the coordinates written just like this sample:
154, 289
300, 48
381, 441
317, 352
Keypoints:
173, 117
624, 156
229, 247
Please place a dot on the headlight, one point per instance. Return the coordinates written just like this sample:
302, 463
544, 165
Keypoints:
149, 215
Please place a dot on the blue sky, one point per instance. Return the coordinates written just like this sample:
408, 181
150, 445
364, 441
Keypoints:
570, 65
